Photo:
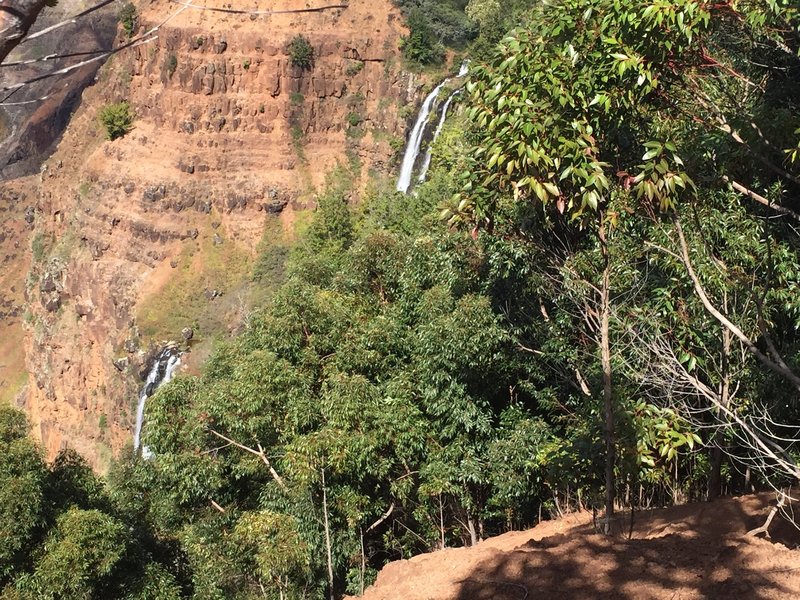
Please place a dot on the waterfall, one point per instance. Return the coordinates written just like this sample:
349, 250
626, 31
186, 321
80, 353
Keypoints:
163, 368
415, 140
426, 163
418, 134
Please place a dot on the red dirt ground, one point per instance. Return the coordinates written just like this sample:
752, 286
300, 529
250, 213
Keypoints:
684, 552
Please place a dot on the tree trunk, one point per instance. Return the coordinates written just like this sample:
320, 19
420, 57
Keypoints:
715, 476
605, 360
441, 521
473, 535
327, 533
363, 563
717, 455
16, 18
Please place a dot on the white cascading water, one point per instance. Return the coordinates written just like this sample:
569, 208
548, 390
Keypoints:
161, 372
418, 133
426, 163
415, 140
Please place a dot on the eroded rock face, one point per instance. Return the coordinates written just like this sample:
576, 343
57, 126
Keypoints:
220, 115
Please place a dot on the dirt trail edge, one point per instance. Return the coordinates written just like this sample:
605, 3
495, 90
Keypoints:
683, 552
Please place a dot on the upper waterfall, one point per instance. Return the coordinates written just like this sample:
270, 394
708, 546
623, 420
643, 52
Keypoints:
426, 163
417, 136
415, 140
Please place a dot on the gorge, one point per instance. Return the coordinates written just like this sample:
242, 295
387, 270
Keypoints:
225, 131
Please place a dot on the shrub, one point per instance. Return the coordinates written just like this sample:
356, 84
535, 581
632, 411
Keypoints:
355, 68
171, 64
397, 144
297, 98
301, 52
246, 64
117, 119
354, 119
129, 18
38, 247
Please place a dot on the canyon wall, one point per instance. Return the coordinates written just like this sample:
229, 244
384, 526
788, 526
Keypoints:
137, 239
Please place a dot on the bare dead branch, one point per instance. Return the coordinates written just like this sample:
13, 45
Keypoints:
582, 382
765, 527
384, 516
16, 18
666, 370
69, 21
701, 293
259, 453
761, 199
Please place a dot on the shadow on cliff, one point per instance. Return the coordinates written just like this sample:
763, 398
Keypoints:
683, 555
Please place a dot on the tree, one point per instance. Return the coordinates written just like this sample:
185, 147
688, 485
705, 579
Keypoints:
421, 45
117, 119
578, 126
301, 52
79, 553
23, 478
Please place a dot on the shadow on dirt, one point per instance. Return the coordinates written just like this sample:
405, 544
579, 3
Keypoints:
680, 553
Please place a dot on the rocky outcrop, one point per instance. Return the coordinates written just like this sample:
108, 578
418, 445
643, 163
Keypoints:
227, 134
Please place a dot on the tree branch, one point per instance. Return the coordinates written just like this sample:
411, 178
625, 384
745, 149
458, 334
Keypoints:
16, 18
701, 293
765, 527
259, 453
381, 520
761, 199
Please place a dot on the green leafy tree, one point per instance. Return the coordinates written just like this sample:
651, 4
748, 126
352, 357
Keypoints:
23, 481
301, 52
421, 45
576, 129
117, 119
79, 553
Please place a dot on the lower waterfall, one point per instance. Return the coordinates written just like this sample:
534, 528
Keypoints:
164, 365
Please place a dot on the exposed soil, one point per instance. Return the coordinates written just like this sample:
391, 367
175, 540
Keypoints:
683, 552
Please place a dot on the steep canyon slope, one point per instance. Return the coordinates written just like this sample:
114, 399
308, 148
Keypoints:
135, 239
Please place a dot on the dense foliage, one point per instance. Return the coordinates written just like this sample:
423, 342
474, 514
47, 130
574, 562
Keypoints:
592, 301
61, 534
434, 24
